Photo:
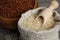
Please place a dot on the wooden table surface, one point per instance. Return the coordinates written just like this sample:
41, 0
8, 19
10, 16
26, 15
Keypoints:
6, 34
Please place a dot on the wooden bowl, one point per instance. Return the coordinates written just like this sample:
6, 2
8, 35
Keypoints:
11, 23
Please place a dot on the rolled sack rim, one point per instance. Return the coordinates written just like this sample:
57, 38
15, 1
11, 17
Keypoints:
23, 16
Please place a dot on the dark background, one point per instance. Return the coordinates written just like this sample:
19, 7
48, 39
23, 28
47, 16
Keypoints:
6, 34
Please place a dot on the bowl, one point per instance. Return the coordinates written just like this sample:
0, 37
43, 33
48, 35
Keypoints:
11, 23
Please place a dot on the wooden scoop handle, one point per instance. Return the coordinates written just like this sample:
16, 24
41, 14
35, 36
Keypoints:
54, 5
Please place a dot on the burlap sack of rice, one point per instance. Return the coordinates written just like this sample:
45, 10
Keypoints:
27, 34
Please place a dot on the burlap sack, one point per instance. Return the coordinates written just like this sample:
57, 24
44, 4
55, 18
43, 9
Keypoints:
26, 34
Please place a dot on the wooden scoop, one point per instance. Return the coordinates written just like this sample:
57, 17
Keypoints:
47, 13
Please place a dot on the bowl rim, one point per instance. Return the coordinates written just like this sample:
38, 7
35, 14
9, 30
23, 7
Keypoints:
36, 4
